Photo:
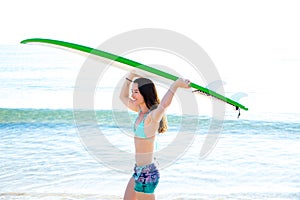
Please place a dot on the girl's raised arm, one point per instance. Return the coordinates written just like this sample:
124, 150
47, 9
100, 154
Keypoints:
124, 94
168, 97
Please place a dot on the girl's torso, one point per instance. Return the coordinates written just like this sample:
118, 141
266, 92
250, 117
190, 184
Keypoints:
144, 138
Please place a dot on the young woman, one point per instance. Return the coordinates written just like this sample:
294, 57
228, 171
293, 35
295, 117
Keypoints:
150, 119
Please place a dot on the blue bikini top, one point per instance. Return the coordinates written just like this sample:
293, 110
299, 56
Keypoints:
139, 130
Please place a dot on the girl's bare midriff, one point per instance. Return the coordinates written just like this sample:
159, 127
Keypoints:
144, 150
144, 147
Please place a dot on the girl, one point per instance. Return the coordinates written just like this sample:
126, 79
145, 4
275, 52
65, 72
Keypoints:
150, 119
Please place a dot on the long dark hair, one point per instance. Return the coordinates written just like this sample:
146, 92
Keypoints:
149, 93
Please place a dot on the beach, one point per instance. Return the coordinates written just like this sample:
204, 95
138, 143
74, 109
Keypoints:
43, 156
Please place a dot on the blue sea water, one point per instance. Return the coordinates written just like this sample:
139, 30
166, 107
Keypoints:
42, 155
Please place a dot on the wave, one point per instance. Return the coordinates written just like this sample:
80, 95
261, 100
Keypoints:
113, 119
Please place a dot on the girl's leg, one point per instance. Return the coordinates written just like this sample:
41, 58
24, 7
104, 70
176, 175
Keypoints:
143, 196
130, 194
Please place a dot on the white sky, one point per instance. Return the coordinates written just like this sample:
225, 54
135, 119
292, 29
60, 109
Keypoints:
254, 44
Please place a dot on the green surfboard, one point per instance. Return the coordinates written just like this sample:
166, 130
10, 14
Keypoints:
134, 64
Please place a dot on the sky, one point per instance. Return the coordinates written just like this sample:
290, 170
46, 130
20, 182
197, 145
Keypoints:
255, 45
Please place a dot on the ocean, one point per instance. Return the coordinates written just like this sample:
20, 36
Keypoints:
43, 154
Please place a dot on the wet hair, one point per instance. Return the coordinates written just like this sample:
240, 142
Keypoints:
148, 91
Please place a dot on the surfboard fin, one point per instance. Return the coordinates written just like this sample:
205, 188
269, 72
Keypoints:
237, 108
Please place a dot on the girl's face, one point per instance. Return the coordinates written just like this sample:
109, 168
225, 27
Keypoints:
136, 95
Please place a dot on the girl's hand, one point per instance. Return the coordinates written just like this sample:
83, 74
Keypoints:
183, 83
132, 74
